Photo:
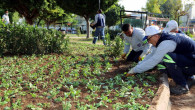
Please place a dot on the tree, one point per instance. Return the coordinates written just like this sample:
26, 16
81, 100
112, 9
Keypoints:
30, 9
85, 8
113, 14
153, 6
51, 15
174, 9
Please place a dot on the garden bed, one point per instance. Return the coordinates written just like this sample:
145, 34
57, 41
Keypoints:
86, 79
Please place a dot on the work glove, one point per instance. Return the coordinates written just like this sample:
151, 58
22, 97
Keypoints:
123, 55
140, 58
130, 73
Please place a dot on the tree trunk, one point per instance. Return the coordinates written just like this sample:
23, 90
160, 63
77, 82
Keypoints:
39, 22
47, 25
87, 21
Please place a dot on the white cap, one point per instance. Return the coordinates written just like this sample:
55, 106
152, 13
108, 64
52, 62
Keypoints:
151, 30
170, 26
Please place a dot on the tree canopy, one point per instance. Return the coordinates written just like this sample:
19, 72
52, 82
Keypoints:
85, 8
153, 6
113, 15
30, 9
173, 8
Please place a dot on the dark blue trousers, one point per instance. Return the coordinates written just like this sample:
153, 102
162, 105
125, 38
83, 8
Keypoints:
134, 56
182, 69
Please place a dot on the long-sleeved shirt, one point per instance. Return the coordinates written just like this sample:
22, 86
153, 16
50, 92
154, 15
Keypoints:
100, 17
162, 49
135, 41
5, 18
152, 59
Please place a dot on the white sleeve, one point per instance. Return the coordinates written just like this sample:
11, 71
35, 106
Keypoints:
96, 19
153, 50
3, 17
163, 48
141, 35
147, 48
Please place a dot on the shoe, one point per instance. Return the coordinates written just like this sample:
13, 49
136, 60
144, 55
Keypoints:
191, 82
178, 90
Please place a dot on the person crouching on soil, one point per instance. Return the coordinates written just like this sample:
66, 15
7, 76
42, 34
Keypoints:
133, 37
177, 53
172, 26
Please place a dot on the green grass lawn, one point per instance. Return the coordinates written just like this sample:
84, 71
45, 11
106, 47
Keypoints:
85, 40
75, 35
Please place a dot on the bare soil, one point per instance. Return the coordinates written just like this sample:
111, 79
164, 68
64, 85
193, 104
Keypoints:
184, 102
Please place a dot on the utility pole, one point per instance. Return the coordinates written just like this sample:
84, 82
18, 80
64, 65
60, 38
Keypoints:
99, 4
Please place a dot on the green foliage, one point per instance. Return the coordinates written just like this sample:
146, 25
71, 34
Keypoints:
113, 15
85, 8
172, 8
113, 33
15, 17
30, 9
189, 34
51, 14
78, 31
20, 39
54, 78
153, 6
108, 42
116, 47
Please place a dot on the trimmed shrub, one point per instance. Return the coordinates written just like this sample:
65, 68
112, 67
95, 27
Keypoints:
25, 39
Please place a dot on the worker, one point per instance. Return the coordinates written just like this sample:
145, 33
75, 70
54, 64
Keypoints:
99, 24
5, 17
133, 37
172, 26
177, 53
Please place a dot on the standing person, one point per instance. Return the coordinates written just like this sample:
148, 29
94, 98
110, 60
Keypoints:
5, 18
99, 24
133, 37
181, 57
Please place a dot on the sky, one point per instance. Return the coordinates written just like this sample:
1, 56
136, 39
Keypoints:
136, 5
133, 5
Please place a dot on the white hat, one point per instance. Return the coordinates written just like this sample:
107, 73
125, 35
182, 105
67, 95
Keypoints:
170, 26
151, 30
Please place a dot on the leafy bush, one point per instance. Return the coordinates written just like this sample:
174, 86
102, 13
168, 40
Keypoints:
189, 34
115, 47
25, 39
108, 42
78, 31
113, 33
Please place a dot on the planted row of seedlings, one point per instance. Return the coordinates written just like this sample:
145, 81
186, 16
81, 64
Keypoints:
66, 82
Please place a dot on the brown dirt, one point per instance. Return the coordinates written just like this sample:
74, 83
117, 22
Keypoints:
184, 101
119, 67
